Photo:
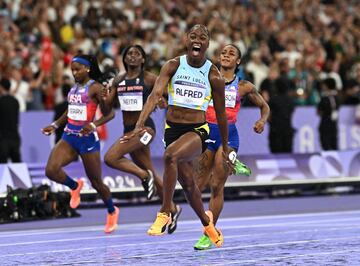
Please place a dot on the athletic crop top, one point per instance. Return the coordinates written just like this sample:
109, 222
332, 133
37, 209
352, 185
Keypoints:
81, 109
190, 86
232, 103
133, 93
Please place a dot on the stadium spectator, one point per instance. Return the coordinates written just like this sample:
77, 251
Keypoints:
9, 121
282, 107
328, 112
323, 33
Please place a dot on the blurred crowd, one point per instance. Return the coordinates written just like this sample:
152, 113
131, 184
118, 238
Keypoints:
289, 46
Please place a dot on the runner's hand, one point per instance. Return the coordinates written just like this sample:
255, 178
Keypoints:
87, 129
104, 93
48, 130
137, 132
259, 126
162, 103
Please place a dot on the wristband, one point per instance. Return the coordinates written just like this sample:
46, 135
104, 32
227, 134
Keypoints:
93, 125
54, 125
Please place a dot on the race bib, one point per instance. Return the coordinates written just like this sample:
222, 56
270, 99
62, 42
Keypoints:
188, 95
131, 101
77, 112
230, 99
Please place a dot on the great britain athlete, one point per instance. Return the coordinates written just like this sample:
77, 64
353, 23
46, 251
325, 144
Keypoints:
210, 169
80, 136
191, 82
132, 89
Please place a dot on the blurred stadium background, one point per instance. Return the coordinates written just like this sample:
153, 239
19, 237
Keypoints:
294, 46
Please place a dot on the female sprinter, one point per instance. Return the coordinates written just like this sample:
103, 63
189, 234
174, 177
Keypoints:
191, 81
132, 90
210, 168
80, 136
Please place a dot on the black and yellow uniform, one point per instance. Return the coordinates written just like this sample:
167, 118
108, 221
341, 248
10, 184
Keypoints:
173, 131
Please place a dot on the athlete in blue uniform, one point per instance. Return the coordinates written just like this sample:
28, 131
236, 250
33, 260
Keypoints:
209, 167
80, 136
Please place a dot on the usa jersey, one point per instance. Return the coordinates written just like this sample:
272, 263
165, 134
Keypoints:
81, 109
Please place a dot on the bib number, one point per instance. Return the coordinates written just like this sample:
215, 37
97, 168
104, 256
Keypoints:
132, 102
77, 112
145, 139
189, 95
230, 99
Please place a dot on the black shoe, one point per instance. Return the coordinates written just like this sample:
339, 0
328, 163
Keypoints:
149, 185
174, 218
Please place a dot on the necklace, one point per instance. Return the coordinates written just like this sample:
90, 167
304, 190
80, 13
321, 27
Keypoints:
81, 86
229, 81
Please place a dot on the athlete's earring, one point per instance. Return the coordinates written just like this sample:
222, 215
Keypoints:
88, 70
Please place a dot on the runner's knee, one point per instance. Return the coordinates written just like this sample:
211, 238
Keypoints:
170, 156
51, 171
96, 183
187, 183
109, 159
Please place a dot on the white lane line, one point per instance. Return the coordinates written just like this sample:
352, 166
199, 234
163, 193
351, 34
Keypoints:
248, 246
95, 228
98, 229
223, 228
296, 215
70, 239
289, 257
161, 242
290, 223
17, 233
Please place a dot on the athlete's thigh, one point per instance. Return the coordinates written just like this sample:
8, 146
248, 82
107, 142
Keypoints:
92, 164
62, 154
119, 148
202, 168
186, 148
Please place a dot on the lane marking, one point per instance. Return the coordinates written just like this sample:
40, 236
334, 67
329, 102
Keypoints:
173, 241
222, 227
189, 222
249, 246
